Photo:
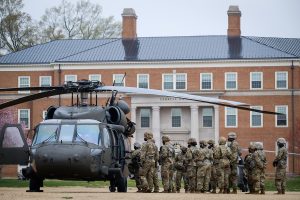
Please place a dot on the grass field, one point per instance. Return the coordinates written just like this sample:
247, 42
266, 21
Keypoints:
293, 184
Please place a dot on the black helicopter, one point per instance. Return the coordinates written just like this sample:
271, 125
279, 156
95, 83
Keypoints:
82, 141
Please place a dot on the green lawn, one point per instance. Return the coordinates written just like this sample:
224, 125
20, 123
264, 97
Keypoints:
293, 184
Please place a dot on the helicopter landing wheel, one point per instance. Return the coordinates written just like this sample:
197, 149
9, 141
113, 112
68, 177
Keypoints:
35, 184
122, 184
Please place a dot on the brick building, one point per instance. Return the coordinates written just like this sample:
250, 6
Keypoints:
261, 71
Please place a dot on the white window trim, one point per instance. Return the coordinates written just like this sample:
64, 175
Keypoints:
287, 116
19, 111
236, 87
180, 118
44, 77
212, 81
261, 119
90, 75
262, 80
44, 113
138, 80
124, 81
23, 92
237, 119
287, 80
212, 124
150, 119
174, 81
70, 75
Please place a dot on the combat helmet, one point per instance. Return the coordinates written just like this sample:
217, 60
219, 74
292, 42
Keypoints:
148, 135
252, 146
183, 148
203, 142
222, 140
137, 145
231, 135
259, 145
165, 138
281, 141
210, 142
192, 141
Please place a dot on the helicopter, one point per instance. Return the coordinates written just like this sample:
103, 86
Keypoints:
83, 141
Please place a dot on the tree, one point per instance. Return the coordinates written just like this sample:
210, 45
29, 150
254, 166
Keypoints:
82, 20
17, 31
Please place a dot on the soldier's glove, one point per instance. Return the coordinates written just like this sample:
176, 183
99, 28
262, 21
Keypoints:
275, 163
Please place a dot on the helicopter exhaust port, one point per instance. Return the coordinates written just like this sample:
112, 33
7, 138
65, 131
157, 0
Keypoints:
115, 115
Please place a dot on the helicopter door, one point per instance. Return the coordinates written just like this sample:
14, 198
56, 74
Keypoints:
13, 146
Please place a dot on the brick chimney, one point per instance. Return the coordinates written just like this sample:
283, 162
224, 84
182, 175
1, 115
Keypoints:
129, 24
234, 21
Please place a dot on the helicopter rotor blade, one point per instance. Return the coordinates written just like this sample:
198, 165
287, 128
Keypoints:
32, 97
221, 102
30, 88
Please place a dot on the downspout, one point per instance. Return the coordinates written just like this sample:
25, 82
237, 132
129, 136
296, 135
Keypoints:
59, 83
293, 118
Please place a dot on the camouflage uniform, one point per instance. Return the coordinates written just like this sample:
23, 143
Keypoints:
203, 158
149, 156
248, 170
135, 160
234, 149
191, 166
214, 162
280, 163
262, 166
167, 156
180, 166
155, 177
255, 167
222, 154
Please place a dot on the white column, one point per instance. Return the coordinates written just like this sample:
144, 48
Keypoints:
156, 124
195, 122
133, 119
217, 128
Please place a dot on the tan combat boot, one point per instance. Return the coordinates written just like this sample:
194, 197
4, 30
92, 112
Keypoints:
234, 191
220, 191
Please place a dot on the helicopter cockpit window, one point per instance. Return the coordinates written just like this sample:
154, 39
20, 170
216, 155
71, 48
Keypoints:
46, 133
66, 132
106, 140
88, 133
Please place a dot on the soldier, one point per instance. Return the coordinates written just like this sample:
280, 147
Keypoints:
234, 149
149, 155
214, 162
262, 167
203, 159
136, 162
222, 154
191, 166
180, 166
155, 176
280, 163
167, 156
255, 168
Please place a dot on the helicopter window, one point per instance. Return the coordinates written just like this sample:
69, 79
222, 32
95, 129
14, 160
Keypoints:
88, 133
46, 133
66, 132
106, 139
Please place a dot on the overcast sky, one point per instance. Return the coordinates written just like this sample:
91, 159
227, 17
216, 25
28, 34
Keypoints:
267, 18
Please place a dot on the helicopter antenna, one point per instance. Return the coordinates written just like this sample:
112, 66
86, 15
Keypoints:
109, 97
114, 93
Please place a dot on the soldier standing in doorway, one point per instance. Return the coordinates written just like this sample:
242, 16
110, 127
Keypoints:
234, 149
280, 163
149, 155
167, 156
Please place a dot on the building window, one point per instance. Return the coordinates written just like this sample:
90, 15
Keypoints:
72, 78
118, 80
24, 81
256, 80
24, 117
207, 114
281, 80
44, 114
176, 117
143, 81
256, 118
231, 117
206, 81
282, 120
145, 118
231, 81
174, 81
45, 81
95, 77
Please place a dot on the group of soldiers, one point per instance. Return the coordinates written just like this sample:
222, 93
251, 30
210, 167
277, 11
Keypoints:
204, 169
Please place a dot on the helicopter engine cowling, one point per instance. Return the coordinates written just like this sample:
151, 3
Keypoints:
115, 115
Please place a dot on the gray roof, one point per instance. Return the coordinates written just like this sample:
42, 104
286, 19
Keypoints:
157, 49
